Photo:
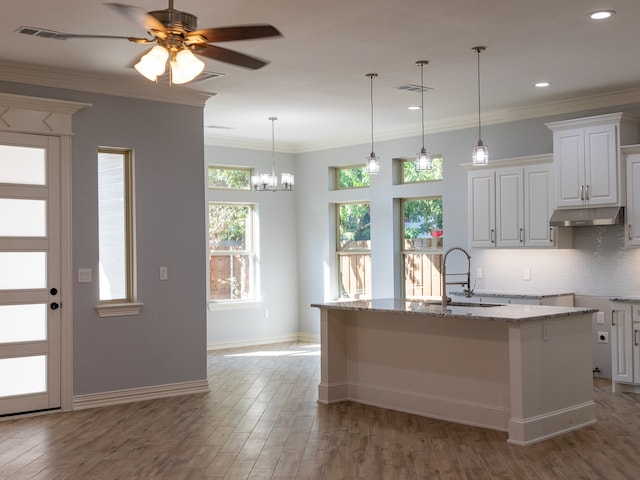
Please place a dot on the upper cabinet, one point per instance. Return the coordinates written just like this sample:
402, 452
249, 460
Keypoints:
632, 212
587, 162
510, 206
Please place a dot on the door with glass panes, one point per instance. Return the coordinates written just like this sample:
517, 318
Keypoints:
30, 297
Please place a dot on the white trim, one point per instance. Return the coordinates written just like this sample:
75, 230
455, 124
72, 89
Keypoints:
234, 305
119, 309
251, 342
512, 162
116, 397
132, 86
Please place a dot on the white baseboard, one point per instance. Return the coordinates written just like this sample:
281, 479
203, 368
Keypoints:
251, 342
103, 399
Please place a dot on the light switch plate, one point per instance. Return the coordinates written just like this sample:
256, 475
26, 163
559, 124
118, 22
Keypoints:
84, 275
164, 273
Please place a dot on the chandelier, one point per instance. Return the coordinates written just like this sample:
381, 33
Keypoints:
269, 181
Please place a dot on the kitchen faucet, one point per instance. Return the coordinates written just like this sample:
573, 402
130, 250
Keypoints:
443, 272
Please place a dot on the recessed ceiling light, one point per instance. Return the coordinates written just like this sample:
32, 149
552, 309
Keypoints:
542, 84
601, 14
414, 107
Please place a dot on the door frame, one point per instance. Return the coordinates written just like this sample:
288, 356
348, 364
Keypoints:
42, 116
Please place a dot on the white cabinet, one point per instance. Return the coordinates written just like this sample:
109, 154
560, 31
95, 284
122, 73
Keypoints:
625, 347
587, 165
632, 212
511, 206
559, 300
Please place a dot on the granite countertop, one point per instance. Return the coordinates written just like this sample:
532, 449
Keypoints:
498, 313
537, 296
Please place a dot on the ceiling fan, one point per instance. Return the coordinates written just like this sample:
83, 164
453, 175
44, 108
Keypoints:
176, 37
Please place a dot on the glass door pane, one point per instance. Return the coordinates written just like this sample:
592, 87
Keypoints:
23, 270
23, 323
23, 218
23, 375
22, 165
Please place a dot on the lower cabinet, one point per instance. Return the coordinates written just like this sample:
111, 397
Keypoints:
625, 347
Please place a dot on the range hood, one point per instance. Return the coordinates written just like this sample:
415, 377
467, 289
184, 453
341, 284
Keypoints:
584, 217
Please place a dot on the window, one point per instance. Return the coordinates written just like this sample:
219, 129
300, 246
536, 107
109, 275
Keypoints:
353, 250
229, 178
421, 227
409, 174
351, 177
232, 257
116, 230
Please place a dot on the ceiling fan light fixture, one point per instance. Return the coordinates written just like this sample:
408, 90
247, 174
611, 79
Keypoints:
152, 64
185, 67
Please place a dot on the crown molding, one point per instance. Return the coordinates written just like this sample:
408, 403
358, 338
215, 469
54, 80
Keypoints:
524, 112
131, 87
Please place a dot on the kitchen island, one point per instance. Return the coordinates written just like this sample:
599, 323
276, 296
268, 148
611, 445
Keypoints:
523, 369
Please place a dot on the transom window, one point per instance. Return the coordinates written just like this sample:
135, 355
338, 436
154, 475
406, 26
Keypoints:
353, 250
409, 174
232, 256
422, 239
354, 176
229, 178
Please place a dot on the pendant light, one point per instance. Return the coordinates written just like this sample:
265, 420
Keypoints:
269, 182
372, 163
423, 158
480, 151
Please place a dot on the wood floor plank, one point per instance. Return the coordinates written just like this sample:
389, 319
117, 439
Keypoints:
261, 421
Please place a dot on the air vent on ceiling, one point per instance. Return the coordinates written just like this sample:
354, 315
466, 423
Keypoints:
205, 75
41, 32
411, 87
219, 127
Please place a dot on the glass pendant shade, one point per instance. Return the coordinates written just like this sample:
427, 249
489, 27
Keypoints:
152, 64
372, 164
480, 154
185, 67
423, 160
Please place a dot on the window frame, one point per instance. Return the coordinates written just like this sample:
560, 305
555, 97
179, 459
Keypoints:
129, 304
340, 252
251, 238
434, 249
247, 187
336, 176
400, 162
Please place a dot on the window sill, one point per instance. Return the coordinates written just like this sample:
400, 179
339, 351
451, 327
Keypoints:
119, 309
216, 306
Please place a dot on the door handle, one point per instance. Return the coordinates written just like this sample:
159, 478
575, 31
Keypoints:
630, 232
54, 306
521, 235
582, 192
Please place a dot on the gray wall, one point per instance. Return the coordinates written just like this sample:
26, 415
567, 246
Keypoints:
165, 343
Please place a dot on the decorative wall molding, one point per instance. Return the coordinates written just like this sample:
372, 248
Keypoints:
116, 397
24, 114
122, 86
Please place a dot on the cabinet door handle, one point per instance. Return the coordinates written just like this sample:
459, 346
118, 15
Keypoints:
551, 234
493, 235
582, 192
630, 232
613, 322
635, 337
586, 190
521, 235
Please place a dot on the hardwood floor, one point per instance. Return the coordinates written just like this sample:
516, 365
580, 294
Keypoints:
261, 421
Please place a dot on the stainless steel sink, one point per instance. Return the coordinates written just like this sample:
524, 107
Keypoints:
464, 304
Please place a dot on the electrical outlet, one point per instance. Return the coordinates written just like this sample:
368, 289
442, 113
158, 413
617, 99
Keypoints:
526, 274
479, 272
600, 318
164, 273
266, 313
603, 337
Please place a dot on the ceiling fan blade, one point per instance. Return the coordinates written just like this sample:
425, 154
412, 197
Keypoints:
55, 35
140, 17
230, 56
239, 32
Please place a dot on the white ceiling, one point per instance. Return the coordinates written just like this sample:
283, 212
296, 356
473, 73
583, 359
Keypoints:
316, 82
